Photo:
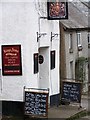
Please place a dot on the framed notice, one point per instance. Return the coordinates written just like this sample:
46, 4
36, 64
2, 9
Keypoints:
11, 60
57, 10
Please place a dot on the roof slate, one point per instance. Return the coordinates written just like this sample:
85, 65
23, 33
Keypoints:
76, 17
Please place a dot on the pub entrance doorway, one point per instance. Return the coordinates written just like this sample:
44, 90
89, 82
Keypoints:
44, 67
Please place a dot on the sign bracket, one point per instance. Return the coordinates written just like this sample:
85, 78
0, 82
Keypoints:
54, 35
39, 35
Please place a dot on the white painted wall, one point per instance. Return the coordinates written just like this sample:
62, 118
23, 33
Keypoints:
19, 23
0, 49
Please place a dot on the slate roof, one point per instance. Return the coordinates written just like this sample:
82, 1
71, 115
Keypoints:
77, 19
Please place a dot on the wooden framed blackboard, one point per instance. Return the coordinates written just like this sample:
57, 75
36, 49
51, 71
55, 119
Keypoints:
71, 91
36, 102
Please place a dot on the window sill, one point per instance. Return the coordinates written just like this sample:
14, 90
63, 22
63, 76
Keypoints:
88, 45
70, 50
80, 48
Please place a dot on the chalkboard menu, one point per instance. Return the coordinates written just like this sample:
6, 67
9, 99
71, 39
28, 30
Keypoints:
36, 102
71, 91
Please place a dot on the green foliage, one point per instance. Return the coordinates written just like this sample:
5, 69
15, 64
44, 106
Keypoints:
80, 68
81, 60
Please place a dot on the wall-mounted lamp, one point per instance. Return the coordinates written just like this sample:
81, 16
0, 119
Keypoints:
54, 35
39, 35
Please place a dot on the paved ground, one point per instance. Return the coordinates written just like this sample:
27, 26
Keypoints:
64, 111
85, 102
67, 111
0, 117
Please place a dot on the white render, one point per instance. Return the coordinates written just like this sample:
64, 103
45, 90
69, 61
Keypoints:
19, 24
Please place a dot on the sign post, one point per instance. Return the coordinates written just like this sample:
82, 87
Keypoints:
36, 102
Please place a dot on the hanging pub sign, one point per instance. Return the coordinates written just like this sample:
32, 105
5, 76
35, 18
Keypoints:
11, 60
57, 10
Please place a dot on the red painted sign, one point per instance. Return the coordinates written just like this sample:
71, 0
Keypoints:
11, 60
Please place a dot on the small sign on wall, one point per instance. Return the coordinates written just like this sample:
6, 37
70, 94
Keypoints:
11, 60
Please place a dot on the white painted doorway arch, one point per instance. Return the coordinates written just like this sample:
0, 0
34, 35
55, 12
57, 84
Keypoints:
44, 69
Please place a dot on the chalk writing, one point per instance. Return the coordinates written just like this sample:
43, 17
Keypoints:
36, 103
71, 91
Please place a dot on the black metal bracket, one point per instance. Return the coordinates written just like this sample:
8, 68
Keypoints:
54, 35
43, 17
39, 35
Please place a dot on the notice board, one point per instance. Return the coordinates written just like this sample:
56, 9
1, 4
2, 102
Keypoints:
36, 102
71, 91
11, 60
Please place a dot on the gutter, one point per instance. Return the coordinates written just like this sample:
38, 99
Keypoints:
77, 29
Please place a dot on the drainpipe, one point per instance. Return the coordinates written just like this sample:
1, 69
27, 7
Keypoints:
62, 54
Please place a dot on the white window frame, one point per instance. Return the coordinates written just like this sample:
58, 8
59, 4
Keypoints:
70, 41
79, 42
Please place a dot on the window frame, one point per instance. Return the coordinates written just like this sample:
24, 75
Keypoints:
71, 43
79, 40
71, 70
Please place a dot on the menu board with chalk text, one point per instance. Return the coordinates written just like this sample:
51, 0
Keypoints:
71, 91
36, 102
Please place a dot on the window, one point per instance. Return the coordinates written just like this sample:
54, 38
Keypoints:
52, 59
79, 39
79, 42
71, 69
70, 43
88, 38
35, 63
